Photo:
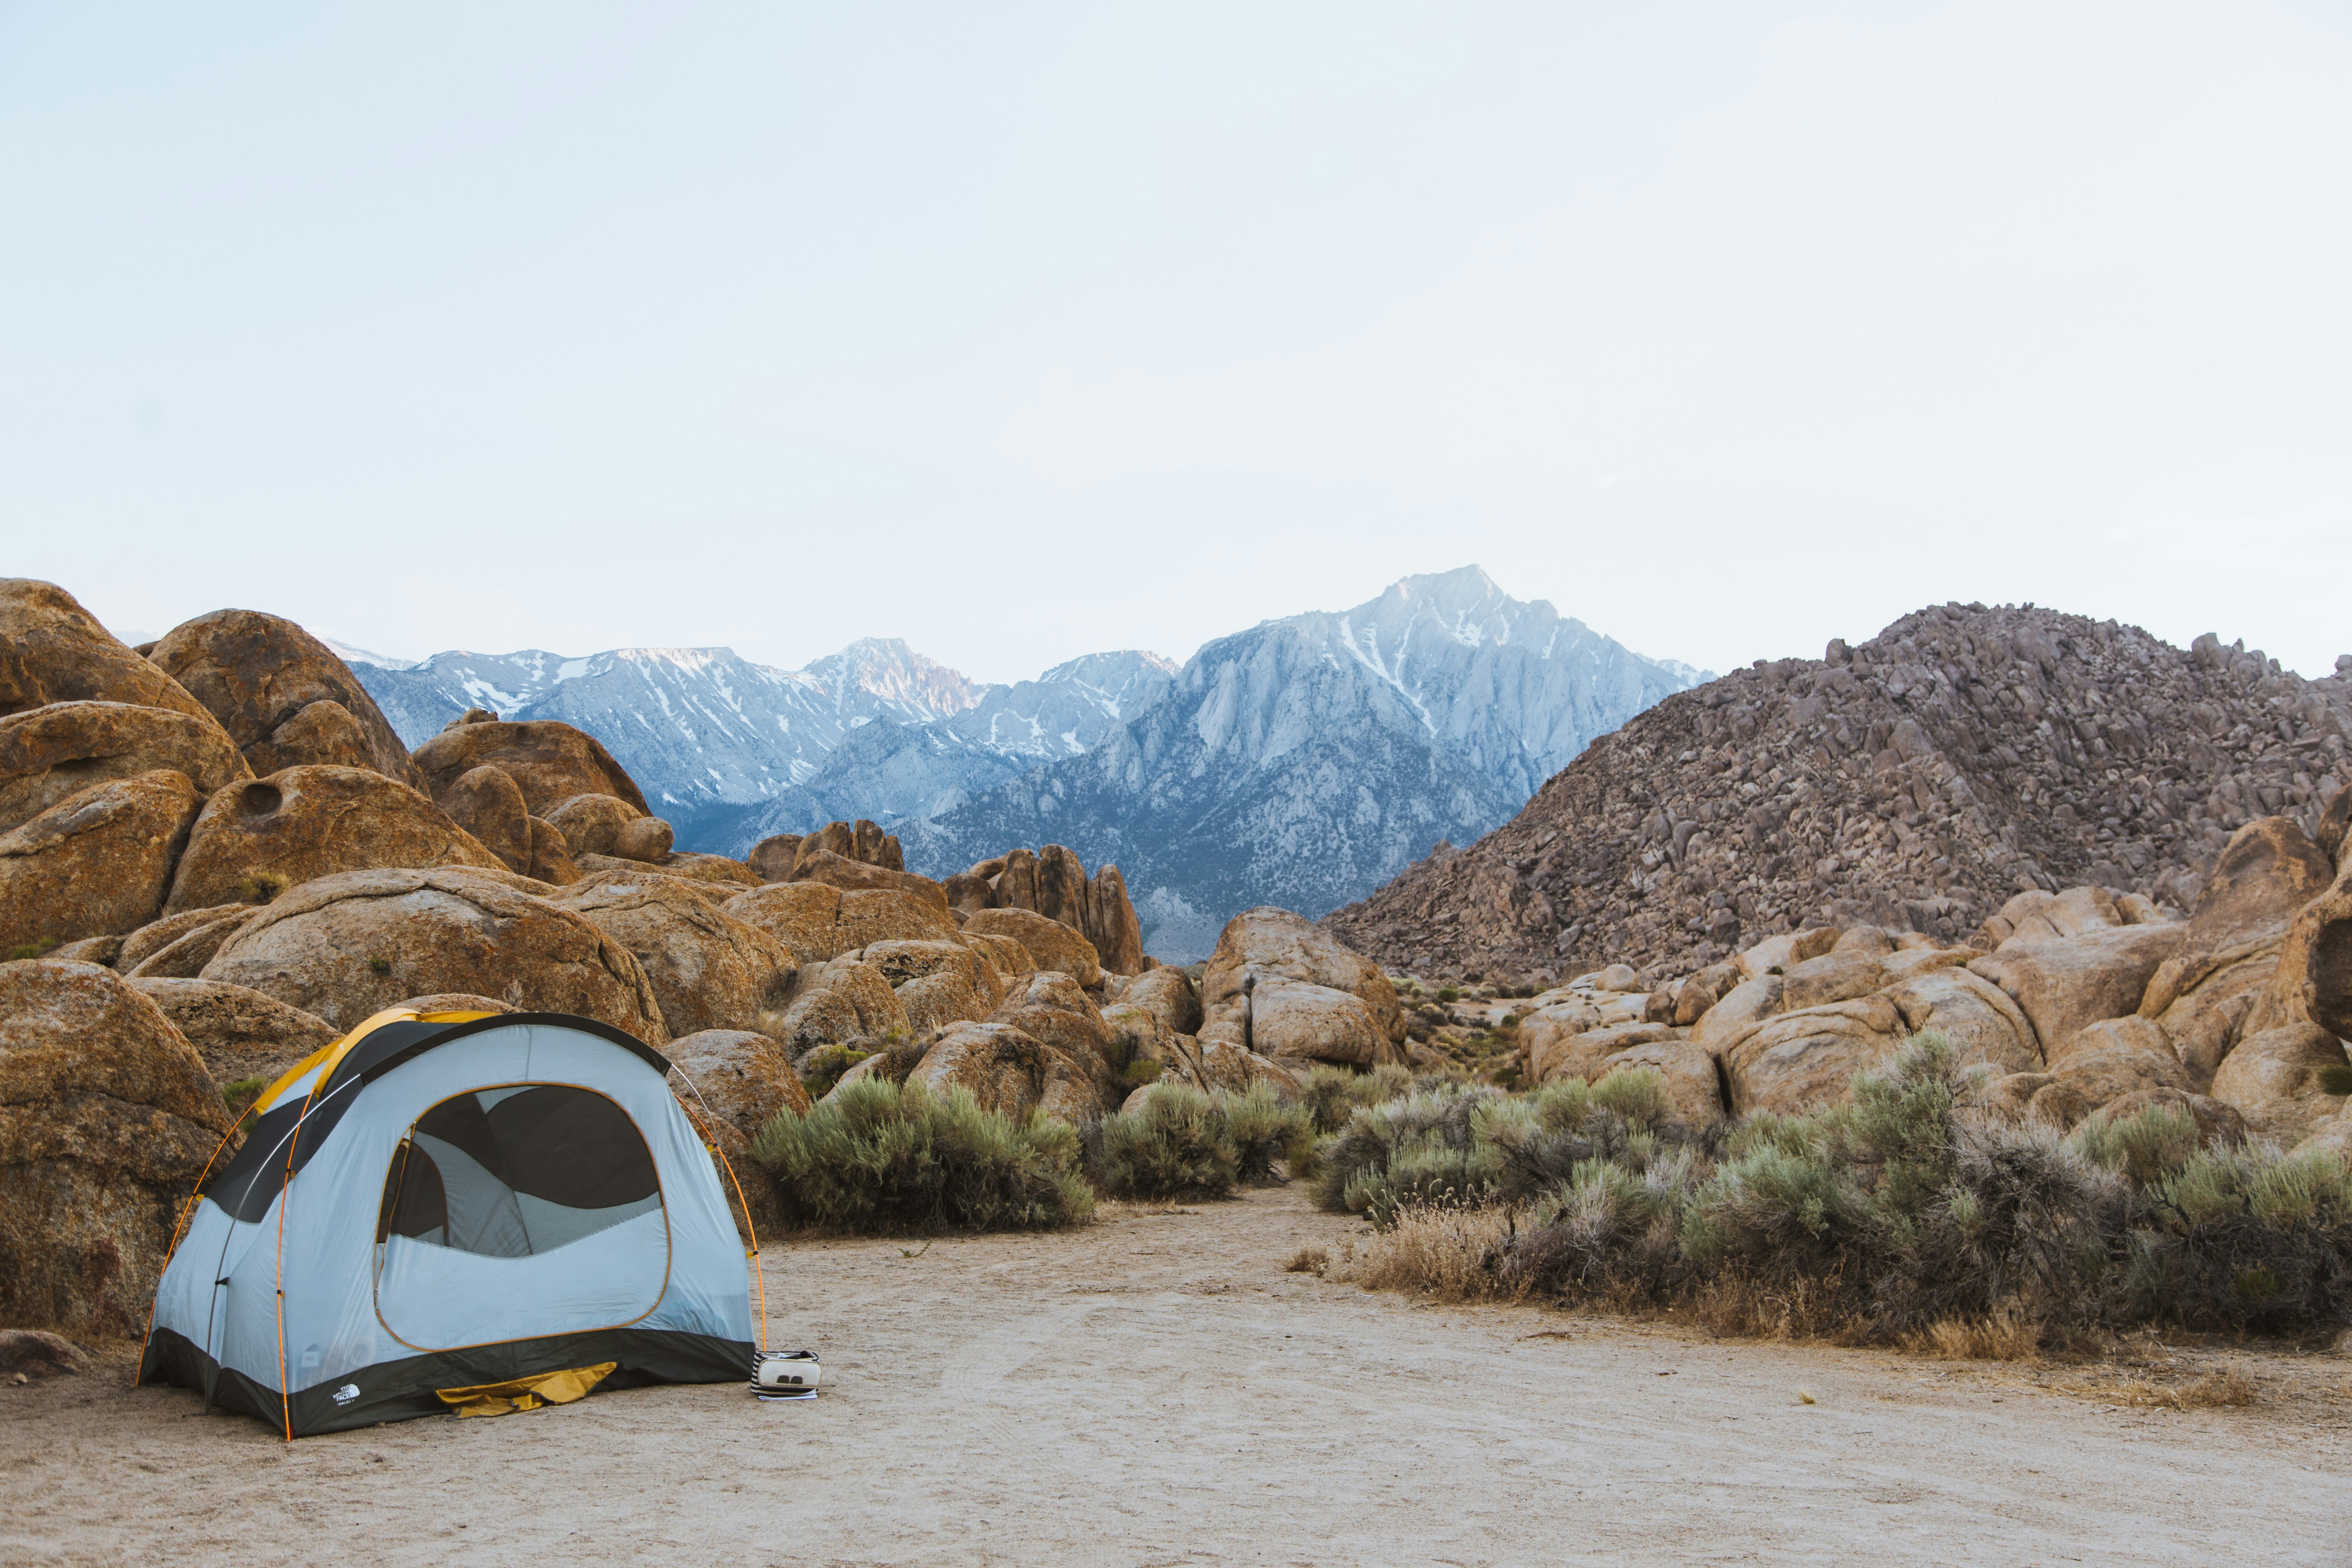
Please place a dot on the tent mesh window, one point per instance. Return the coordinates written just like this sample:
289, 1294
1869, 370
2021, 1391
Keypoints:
508, 1172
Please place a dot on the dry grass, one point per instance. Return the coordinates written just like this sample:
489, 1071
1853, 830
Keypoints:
2228, 1387
1308, 1261
2002, 1336
1441, 1252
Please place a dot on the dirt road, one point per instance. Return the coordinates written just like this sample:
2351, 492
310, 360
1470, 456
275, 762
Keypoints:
1155, 1389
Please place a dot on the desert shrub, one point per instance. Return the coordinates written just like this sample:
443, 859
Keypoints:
1899, 1215
1177, 1143
1182, 1142
883, 1156
1264, 1131
1415, 1150
822, 1068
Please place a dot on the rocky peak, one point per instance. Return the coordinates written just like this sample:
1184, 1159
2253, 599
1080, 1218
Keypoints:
1916, 781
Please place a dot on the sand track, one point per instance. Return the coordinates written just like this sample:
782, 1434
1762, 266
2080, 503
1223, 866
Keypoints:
1156, 1389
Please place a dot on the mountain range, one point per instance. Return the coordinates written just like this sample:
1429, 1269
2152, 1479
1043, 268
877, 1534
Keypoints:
1303, 761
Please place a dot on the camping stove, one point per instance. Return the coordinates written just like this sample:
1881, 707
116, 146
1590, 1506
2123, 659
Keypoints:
786, 1374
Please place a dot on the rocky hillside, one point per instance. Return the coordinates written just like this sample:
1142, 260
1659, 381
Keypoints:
1305, 760
1917, 782
733, 750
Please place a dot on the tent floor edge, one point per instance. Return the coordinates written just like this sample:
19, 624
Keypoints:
404, 1389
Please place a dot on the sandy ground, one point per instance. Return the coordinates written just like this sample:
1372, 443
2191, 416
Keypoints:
1155, 1389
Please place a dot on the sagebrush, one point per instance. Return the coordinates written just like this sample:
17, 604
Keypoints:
1900, 1215
882, 1156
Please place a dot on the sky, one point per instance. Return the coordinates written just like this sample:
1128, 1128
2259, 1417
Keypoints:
1021, 331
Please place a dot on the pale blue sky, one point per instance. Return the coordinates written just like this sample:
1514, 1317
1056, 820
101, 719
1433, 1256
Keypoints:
1024, 331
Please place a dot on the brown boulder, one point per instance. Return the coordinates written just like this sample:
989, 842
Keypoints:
1979, 1019
590, 824
1010, 958
107, 1117
49, 754
1836, 976
853, 875
843, 1000
710, 970
902, 960
1052, 1009
934, 1001
2097, 1074
1740, 1009
95, 863
869, 915
1692, 1088
1781, 953
347, 946
2205, 1021
53, 651
2333, 821
283, 696
2065, 983
741, 1077
487, 803
1581, 1055
322, 733
2270, 870
1271, 943
967, 894
772, 857
734, 1083
731, 873
551, 857
1797, 1061
861, 841
646, 839
550, 760
178, 947
2286, 1081
1004, 1069
806, 917
256, 838
2314, 979
1050, 944
2141, 1033
1170, 996
1292, 1020
1226, 1065
242, 1035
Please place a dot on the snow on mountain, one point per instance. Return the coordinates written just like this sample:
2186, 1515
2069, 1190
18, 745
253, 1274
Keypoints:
1310, 758
1304, 761
724, 745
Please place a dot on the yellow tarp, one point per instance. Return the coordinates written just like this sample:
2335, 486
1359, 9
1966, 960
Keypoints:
527, 1393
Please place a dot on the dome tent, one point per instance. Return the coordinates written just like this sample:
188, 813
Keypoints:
445, 1201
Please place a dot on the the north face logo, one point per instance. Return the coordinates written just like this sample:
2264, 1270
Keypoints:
346, 1394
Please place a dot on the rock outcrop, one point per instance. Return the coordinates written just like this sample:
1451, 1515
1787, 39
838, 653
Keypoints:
95, 863
53, 651
1054, 883
345, 947
283, 696
254, 839
737, 1082
1284, 988
107, 1118
550, 759
1917, 782
51, 753
240, 1033
708, 970
1050, 944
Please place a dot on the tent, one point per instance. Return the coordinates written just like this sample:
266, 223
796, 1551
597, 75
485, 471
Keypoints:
444, 1201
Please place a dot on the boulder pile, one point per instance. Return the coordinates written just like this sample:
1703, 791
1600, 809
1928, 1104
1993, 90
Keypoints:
215, 858
2078, 1004
1915, 783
